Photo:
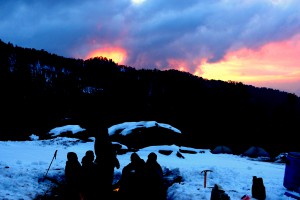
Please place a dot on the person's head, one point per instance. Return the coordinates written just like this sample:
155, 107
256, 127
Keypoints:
90, 155
72, 156
152, 157
134, 157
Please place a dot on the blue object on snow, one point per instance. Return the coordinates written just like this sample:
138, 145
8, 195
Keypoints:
292, 172
292, 195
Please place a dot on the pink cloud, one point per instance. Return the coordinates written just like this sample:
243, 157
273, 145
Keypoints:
275, 65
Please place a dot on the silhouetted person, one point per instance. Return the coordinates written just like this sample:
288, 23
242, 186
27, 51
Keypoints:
88, 175
154, 179
106, 161
73, 175
132, 182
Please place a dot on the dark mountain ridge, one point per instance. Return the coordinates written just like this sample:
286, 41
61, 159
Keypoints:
40, 91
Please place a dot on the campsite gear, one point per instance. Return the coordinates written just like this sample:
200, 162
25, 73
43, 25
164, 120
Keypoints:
45, 177
293, 195
54, 157
50, 179
292, 172
221, 149
217, 193
245, 197
205, 175
255, 152
258, 188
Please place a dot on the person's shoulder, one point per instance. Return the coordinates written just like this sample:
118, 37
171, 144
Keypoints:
78, 164
127, 166
84, 160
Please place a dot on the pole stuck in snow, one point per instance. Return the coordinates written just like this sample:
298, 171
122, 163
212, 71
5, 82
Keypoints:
205, 175
54, 157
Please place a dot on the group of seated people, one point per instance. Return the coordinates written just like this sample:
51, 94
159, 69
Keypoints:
142, 180
139, 179
79, 177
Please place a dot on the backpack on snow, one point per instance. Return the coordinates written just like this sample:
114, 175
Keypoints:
258, 188
218, 193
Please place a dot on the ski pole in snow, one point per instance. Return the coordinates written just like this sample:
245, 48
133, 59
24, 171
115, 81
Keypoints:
205, 175
54, 157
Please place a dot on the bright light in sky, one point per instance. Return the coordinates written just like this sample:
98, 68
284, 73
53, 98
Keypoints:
118, 55
137, 1
279, 1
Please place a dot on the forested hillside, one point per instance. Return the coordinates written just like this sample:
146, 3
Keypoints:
40, 91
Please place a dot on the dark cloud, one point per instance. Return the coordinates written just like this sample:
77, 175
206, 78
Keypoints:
151, 32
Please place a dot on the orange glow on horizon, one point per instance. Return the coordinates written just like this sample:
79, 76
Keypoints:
118, 55
178, 64
271, 65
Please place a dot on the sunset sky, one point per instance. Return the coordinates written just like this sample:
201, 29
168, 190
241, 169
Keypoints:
255, 42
